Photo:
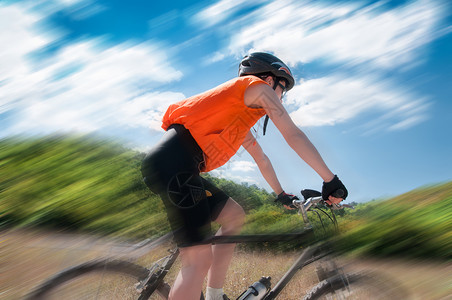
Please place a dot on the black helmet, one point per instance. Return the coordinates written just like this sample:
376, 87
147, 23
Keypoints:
260, 63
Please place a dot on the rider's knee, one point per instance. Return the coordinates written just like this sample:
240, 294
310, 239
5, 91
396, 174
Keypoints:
197, 258
234, 220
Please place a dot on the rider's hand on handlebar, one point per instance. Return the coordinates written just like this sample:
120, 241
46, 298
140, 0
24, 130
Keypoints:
286, 200
334, 191
333, 200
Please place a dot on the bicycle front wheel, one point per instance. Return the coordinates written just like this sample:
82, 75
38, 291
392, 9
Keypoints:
102, 279
356, 286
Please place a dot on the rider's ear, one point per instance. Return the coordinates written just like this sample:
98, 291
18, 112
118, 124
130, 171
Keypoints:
269, 79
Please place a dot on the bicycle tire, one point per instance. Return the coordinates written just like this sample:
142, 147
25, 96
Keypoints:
100, 279
356, 286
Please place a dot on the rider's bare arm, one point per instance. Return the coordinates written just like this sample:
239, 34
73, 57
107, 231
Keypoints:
262, 95
265, 167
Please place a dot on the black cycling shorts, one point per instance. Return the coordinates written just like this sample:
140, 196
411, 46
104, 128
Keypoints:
171, 170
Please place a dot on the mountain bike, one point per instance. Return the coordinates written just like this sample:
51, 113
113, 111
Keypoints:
121, 279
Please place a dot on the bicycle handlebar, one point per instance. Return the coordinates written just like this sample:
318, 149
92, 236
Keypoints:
313, 202
318, 201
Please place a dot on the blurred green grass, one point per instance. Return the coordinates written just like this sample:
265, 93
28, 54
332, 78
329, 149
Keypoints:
93, 185
415, 224
76, 183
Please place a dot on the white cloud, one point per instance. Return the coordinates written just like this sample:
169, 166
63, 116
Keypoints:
241, 166
335, 99
242, 171
70, 2
303, 31
78, 9
407, 123
17, 40
222, 10
213, 58
220, 173
367, 41
82, 87
87, 87
66, 113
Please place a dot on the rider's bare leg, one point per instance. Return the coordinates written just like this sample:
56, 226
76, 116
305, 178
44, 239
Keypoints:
231, 220
196, 261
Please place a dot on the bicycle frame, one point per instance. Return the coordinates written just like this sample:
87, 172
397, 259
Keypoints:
307, 256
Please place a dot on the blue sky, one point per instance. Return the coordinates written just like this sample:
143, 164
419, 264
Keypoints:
373, 78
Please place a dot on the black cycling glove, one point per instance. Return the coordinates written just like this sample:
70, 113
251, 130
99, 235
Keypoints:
286, 199
333, 188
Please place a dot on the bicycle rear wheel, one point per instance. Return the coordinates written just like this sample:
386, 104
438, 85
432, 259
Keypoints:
356, 286
102, 279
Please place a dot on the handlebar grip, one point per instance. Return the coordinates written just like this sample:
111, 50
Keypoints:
338, 193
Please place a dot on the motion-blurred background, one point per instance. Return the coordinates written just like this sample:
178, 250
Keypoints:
84, 83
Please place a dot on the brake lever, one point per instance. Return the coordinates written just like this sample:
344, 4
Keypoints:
348, 206
335, 206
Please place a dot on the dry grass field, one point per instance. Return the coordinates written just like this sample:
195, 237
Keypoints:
27, 258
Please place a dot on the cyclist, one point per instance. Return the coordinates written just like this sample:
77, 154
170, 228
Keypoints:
202, 133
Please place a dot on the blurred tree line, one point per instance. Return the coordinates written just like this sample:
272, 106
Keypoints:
89, 184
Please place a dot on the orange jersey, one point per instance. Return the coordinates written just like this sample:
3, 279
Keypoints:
217, 119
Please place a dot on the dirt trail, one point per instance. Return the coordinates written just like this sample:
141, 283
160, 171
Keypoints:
424, 280
28, 257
